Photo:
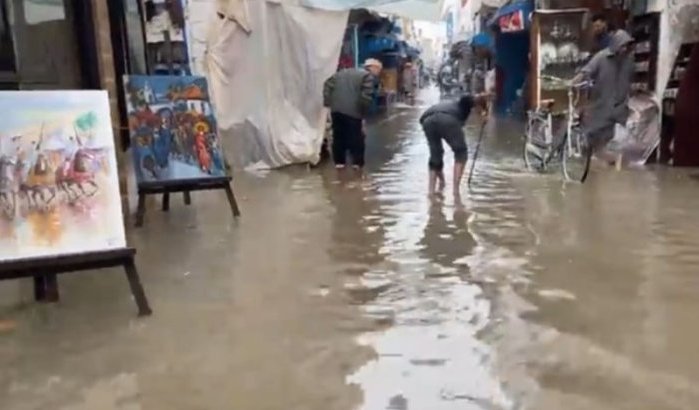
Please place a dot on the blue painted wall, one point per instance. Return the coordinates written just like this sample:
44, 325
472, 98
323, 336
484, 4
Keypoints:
512, 60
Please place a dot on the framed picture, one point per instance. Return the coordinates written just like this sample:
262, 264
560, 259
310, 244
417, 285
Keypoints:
59, 185
173, 129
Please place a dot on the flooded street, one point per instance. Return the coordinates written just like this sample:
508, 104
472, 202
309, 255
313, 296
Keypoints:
330, 294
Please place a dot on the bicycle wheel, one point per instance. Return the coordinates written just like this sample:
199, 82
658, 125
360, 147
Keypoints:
577, 155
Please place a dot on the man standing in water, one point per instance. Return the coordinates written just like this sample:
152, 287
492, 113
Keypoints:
349, 94
611, 71
445, 121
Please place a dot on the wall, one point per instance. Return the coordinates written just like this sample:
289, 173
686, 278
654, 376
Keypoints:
468, 24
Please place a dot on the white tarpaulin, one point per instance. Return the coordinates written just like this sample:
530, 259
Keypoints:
430, 10
267, 81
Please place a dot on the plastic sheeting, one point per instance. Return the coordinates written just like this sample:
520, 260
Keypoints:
267, 84
430, 10
638, 139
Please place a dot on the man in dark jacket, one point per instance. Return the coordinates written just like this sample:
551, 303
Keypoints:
349, 94
445, 121
601, 31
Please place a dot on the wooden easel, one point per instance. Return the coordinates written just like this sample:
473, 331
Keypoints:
45, 270
185, 186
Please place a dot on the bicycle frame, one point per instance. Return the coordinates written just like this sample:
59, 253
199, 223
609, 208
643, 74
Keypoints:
543, 118
572, 121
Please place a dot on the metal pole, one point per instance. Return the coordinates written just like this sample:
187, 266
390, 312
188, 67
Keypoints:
475, 155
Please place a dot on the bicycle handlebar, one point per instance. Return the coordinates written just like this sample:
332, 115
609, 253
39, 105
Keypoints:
552, 78
568, 83
581, 84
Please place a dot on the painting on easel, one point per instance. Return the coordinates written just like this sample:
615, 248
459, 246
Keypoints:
59, 187
173, 129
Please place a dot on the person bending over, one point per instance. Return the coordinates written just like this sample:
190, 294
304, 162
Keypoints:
445, 122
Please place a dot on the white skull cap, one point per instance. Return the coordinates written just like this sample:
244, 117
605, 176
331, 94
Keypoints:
372, 62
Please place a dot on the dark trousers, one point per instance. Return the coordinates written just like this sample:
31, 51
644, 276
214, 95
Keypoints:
347, 138
440, 127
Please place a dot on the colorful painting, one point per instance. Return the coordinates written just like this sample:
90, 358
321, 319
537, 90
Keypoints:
59, 188
173, 129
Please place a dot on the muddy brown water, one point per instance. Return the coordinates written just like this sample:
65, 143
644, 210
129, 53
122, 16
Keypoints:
528, 293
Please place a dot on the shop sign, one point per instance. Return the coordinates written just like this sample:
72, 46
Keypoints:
512, 23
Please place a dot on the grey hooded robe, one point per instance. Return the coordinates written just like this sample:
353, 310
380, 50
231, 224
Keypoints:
612, 75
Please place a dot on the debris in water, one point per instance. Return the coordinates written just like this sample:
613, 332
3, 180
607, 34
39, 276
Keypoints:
7, 326
556, 294
322, 291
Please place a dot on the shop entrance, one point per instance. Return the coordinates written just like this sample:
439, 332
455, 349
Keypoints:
46, 44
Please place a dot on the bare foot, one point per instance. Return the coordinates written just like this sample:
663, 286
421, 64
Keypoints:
436, 196
358, 171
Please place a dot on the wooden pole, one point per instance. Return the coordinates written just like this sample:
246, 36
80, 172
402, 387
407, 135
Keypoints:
107, 74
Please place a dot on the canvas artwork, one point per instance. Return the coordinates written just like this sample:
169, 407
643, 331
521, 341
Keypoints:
59, 188
173, 129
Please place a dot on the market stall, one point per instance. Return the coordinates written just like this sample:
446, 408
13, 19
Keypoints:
559, 49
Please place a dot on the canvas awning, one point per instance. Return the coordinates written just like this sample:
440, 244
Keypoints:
430, 10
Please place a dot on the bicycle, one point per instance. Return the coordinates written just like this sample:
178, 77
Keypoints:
572, 150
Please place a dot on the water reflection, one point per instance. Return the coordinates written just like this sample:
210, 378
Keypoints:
446, 238
532, 293
430, 357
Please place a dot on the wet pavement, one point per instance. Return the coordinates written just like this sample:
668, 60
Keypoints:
342, 294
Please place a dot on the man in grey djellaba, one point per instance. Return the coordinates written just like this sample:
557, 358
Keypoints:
611, 72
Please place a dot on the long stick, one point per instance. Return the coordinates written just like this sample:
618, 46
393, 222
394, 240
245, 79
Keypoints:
475, 155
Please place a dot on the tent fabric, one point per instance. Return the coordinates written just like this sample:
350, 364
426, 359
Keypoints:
413, 9
267, 84
235, 10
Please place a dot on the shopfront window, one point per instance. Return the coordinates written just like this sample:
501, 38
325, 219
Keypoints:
7, 54
43, 11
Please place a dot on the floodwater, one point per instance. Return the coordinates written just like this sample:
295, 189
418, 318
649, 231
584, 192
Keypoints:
334, 294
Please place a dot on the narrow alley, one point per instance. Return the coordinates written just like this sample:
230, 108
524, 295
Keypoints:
328, 294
